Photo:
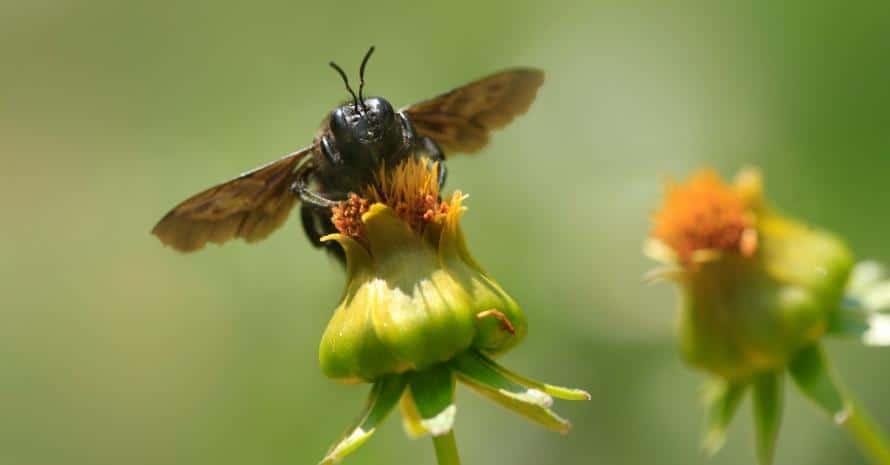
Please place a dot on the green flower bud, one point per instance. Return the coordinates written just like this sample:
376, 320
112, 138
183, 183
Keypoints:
755, 287
413, 299
420, 315
758, 291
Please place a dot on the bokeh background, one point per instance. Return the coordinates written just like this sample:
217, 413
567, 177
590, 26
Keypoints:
115, 350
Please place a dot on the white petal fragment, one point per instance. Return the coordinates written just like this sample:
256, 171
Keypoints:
877, 297
659, 251
865, 275
347, 445
878, 333
531, 396
441, 423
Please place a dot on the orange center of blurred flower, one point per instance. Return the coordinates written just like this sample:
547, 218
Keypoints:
411, 189
704, 213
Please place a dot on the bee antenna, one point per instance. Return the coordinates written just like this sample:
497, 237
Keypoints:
361, 74
346, 81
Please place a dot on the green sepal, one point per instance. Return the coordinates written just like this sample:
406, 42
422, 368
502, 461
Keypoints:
528, 401
431, 396
384, 396
556, 391
767, 414
810, 372
722, 399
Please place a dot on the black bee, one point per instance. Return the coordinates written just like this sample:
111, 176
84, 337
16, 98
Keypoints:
354, 141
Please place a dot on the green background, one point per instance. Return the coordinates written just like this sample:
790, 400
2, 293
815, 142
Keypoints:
115, 350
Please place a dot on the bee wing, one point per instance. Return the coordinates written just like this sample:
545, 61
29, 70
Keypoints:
250, 206
461, 120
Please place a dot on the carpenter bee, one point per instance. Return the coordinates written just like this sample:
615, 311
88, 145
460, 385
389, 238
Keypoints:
354, 141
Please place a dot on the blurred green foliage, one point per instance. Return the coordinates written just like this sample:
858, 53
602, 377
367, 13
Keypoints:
114, 350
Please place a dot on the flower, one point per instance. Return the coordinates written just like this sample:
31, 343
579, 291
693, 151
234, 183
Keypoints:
757, 287
419, 313
758, 291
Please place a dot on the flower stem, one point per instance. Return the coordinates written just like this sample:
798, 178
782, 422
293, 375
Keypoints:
867, 435
446, 449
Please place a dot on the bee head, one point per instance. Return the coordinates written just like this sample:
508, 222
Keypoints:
368, 122
364, 125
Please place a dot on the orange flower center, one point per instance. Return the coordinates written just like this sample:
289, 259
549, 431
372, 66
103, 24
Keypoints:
411, 189
704, 213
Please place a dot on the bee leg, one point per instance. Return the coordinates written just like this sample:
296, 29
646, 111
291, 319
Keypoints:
435, 154
308, 215
315, 214
300, 187
317, 224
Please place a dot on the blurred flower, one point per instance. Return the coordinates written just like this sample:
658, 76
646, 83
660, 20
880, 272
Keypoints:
419, 314
758, 291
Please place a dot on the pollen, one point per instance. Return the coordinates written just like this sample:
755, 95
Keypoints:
347, 215
411, 189
704, 213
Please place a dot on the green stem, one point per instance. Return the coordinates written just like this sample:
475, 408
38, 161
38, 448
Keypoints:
446, 449
867, 435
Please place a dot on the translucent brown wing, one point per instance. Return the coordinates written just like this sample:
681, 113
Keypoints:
250, 206
461, 120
